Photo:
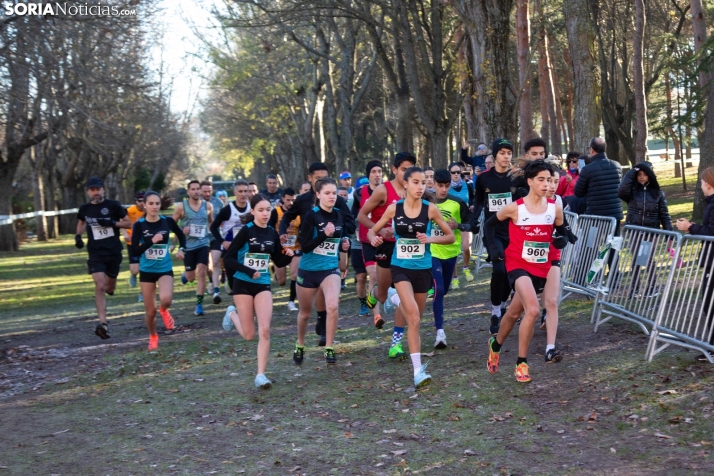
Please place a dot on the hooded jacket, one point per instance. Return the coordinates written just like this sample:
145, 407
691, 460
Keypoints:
646, 204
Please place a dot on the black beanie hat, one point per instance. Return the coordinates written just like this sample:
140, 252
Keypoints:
372, 164
499, 144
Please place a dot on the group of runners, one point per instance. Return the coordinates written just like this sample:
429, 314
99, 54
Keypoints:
403, 236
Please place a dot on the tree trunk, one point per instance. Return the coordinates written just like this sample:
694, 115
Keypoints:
523, 35
699, 28
639, 89
581, 43
38, 191
572, 146
8, 238
706, 152
543, 92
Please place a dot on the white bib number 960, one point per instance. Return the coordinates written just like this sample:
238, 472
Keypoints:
496, 201
101, 232
157, 252
410, 249
257, 261
535, 251
328, 247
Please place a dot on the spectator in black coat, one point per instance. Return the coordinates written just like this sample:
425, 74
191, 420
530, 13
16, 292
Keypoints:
646, 203
598, 184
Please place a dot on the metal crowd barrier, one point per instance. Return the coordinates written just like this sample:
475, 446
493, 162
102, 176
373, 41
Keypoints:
566, 254
636, 282
478, 250
594, 233
686, 314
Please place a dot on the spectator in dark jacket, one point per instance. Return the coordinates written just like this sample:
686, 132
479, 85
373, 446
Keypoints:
646, 204
599, 182
707, 254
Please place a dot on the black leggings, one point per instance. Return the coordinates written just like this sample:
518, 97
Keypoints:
500, 286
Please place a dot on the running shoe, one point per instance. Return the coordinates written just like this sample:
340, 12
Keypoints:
440, 339
292, 306
495, 325
168, 320
363, 310
322, 342
216, 298
522, 374
430, 293
199, 310
493, 357
102, 330
469, 276
320, 326
396, 352
153, 342
330, 356
261, 381
553, 356
378, 321
371, 300
389, 306
298, 354
422, 378
542, 321
141, 298
227, 322
455, 283
132, 280
183, 278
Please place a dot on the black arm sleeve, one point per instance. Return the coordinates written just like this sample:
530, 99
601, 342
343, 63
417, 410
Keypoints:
281, 260
307, 226
472, 194
479, 199
135, 249
222, 216
291, 214
564, 230
230, 258
465, 214
273, 218
495, 248
355, 203
348, 221
173, 226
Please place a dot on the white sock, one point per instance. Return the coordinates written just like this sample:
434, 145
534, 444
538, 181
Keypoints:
416, 361
549, 346
496, 310
503, 303
466, 267
395, 300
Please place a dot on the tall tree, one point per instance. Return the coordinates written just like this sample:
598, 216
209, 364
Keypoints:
523, 42
706, 151
586, 76
699, 28
640, 97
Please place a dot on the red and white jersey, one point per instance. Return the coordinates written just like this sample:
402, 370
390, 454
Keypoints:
530, 239
392, 197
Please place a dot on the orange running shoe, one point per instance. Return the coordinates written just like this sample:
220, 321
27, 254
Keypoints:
168, 320
493, 357
522, 374
153, 342
378, 321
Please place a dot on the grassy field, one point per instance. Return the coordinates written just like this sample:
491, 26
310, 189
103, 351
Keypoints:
73, 404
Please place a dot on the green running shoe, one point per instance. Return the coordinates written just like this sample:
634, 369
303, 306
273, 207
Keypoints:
298, 354
371, 300
396, 352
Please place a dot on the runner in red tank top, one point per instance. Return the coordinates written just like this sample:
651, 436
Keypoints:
532, 220
372, 210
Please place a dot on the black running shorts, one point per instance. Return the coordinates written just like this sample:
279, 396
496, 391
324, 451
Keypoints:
358, 261
313, 279
107, 264
383, 254
538, 282
192, 258
246, 288
149, 277
421, 279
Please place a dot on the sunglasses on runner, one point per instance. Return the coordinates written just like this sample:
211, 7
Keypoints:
455, 172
